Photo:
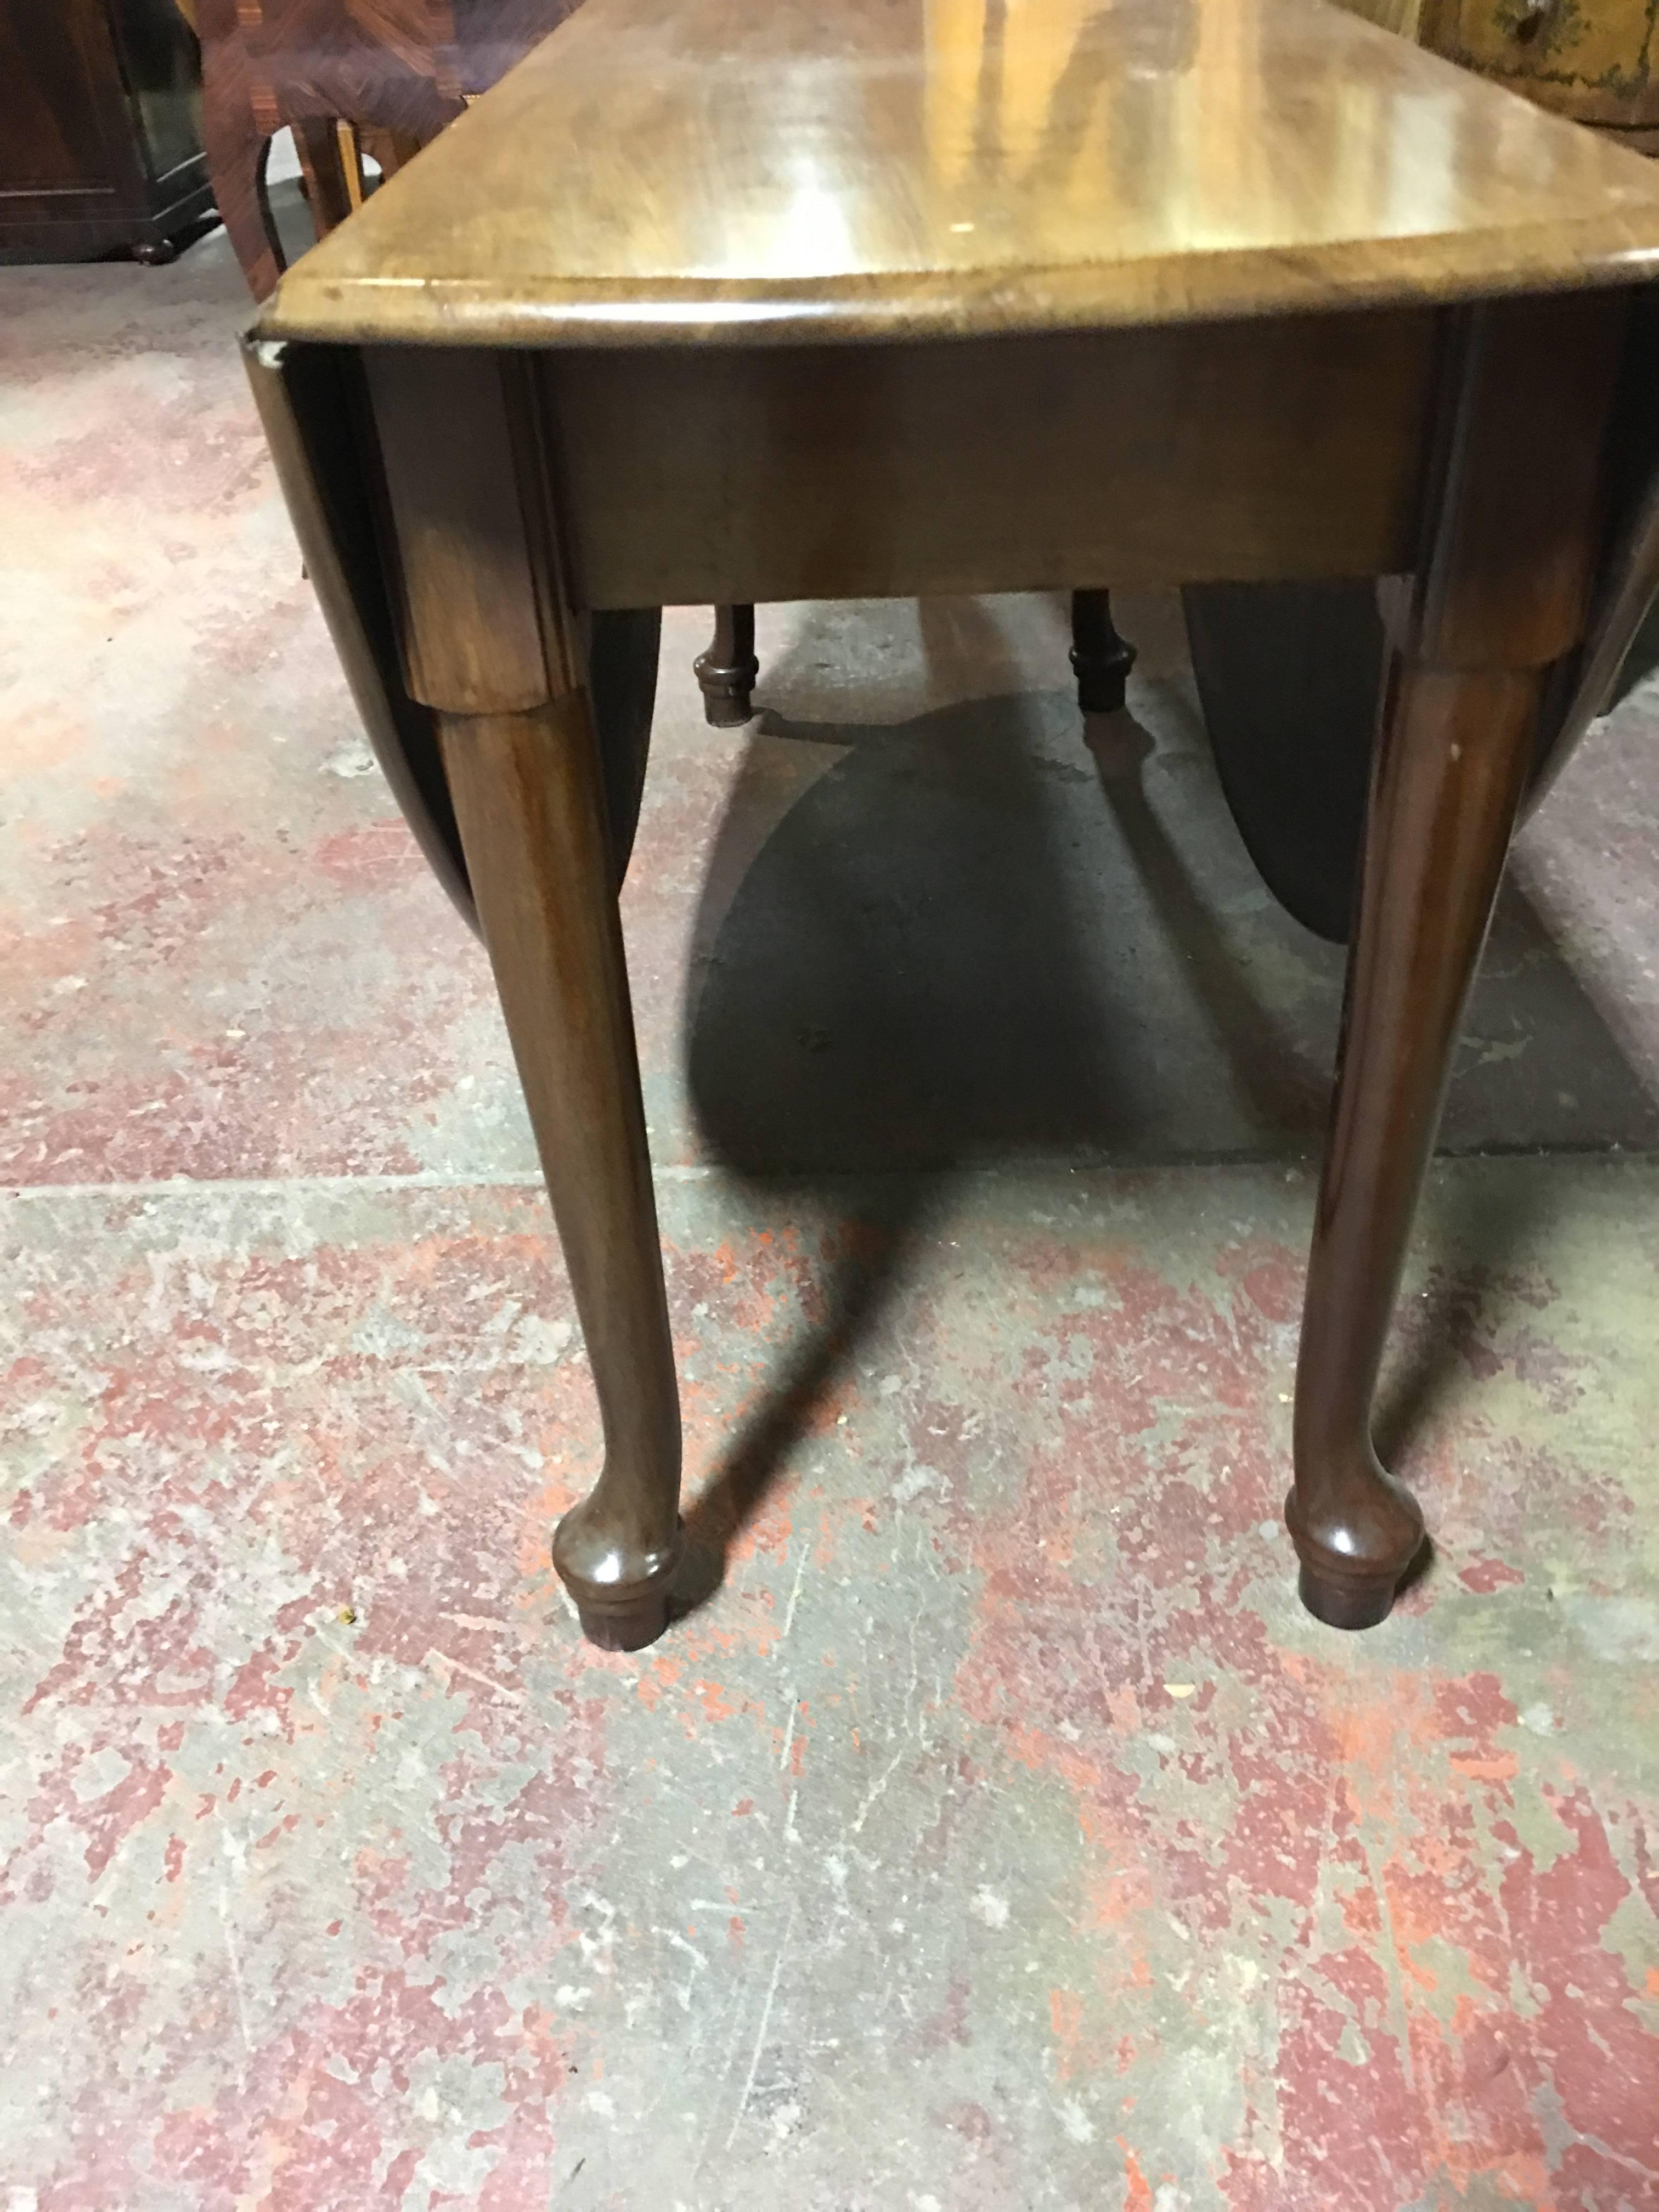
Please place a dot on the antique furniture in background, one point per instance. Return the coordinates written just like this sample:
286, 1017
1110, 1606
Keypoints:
386, 79
101, 140
1596, 61
1244, 291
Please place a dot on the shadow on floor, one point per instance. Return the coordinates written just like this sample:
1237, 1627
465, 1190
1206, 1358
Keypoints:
973, 939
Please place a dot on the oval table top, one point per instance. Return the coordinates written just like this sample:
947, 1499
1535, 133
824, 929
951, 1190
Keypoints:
661, 171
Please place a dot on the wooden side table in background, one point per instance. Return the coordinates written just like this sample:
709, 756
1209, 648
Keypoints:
1238, 291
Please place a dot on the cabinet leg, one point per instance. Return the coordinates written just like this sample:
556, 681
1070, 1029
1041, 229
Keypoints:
1101, 660
530, 804
726, 672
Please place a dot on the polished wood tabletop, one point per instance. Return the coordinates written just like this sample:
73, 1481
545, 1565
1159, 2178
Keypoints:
849, 298
699, 169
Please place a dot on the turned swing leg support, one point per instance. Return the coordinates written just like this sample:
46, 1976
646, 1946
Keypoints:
1499, 596
727, 669
1100, 659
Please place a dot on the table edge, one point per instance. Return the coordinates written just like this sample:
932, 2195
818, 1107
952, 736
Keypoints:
1435, 270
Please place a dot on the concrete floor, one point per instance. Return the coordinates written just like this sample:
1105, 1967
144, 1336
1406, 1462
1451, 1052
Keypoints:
994, 1831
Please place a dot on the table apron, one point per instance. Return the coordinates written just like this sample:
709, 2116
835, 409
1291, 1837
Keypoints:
1232, 451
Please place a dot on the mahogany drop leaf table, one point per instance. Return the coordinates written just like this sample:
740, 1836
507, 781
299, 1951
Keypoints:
854, 298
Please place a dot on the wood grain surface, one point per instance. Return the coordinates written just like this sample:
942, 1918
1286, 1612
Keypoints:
1283, 447
669, 170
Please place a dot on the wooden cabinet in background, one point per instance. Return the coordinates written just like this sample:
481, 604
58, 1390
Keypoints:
1596, 61
101, 143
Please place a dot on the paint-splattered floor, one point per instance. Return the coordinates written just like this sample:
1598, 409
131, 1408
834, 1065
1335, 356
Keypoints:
995, 1832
